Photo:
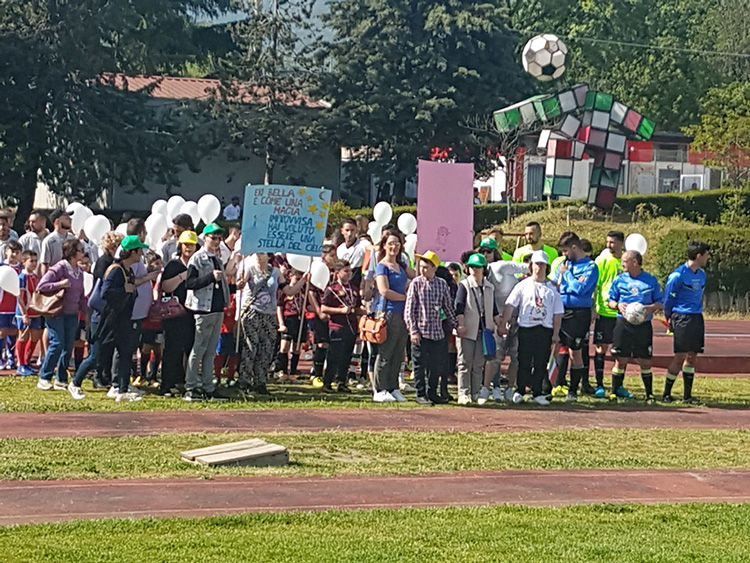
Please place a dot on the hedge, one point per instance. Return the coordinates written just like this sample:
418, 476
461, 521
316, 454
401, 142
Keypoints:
701, 206
728, 268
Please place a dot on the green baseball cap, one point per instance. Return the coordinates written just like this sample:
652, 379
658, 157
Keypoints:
132, 242
212, 228
477, 260
488, 242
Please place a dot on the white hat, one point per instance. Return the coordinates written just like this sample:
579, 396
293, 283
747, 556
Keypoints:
539, 257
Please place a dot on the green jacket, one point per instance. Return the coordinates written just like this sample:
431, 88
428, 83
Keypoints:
609, 268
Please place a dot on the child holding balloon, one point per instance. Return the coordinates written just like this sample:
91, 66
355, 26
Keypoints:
8, 330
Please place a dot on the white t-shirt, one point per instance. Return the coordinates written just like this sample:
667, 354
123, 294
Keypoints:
537, 303
353, 254
503, 278
232, 212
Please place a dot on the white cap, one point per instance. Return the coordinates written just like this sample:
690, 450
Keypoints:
539, 257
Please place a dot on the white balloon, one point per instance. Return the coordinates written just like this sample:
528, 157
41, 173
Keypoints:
410, 245
373, 231
407, 223
88, 283
209, 208
122, 228
95, 227
191, 208
319, 275
637, 242
160, 206
174, 204
156, 227
299, 262
9, 280
382, 212
79, 214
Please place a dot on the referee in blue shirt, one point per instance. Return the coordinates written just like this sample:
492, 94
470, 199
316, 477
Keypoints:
683, 309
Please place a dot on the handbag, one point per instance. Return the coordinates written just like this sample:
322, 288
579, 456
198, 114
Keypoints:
489, 345
165, 308
48, 305
373, 327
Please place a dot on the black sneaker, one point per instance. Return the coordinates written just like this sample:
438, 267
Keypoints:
437, 400
261, 390
343, 388
327, 389
691, 401
650, 399
667, 399
195, 395
587, 388
218, 394
447, 398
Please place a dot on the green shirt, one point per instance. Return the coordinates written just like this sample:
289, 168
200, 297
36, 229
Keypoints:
505, 256
524, 251
609, 268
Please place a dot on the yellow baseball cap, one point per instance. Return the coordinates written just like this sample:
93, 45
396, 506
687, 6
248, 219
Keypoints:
188, 237
430, 256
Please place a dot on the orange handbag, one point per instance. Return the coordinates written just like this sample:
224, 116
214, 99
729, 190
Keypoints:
372, 328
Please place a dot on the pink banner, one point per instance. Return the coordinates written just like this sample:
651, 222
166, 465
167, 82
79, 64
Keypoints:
445, 209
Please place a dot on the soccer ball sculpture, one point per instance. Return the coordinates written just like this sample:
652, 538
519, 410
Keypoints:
635, 313
544, 57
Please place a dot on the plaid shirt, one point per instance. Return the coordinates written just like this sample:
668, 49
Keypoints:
426, 302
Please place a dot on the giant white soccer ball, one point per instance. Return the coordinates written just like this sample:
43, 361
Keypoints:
544, 57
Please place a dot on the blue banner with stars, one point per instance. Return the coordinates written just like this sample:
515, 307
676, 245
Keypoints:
289, 219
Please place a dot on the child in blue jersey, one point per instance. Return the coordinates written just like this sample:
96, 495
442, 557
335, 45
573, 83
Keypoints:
683, 309
577, 277
633, 340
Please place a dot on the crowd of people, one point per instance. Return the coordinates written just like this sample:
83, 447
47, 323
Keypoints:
193, 318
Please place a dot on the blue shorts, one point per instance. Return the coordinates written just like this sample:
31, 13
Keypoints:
37, 323
226, 344
7, 320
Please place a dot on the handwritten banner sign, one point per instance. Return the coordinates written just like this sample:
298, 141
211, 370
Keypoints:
284, 219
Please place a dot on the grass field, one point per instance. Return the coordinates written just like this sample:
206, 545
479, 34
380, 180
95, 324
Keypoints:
666, 533
339, 453
21, 395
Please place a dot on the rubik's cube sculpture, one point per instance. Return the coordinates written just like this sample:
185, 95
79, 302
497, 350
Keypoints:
584, 122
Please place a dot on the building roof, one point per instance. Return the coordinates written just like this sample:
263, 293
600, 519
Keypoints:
180, 88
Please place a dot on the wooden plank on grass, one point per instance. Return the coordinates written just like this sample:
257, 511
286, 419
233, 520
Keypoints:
260, 456
190, 455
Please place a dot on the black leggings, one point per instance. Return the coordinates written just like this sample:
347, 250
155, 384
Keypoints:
178, 341
534, 348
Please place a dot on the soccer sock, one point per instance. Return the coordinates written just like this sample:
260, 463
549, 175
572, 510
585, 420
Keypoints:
599, 369
294, 363
671, 377
281, 361
21, 346
576, 375
319, 360
154, 364
232, 365
562, 368
618, 378
586, 364
218, 364
28, 352
648, 381
688, 373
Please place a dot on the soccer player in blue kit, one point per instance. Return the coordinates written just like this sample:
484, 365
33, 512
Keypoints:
683, 309
633, 340
577, 278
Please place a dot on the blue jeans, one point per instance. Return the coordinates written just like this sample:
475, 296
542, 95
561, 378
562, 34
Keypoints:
62, 334
90, 362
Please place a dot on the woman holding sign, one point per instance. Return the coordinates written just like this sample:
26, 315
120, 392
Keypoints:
259, 326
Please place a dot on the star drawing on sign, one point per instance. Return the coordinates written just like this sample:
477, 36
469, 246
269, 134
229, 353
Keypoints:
318, 225
302, 191
311, 208
309, 198
324, 205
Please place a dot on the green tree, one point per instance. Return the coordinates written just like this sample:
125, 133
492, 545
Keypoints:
724, 131
263, 108
664, 84
63, 120
405, 74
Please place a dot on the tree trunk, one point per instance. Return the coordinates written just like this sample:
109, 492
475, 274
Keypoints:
26, 200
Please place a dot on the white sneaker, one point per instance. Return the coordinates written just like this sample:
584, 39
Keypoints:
484, 394
517, 398
464, 400
112, 393
508, 394
398, 396
571, 398
59, 386
75, 392
127, 397
405, 387
383, 397
541, 400
497, 395
43, 384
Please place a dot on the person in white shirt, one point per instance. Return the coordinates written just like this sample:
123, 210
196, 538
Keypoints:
51, 252
352, 250
233, 211
540, 312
